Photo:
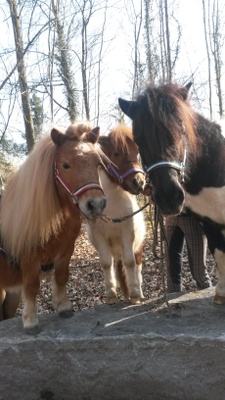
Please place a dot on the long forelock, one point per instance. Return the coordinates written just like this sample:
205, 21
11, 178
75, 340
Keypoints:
161, 113
119, 138
75, 131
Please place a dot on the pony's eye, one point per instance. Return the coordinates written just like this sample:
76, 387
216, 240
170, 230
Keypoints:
66, 165
116, 154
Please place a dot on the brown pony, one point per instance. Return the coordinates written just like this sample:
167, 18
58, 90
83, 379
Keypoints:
120, 245
40, 215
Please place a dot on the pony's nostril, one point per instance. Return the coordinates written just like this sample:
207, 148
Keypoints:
139, 183
135, 183
91, 205
103, 204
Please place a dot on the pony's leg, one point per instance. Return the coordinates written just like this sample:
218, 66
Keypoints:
139, 279
132, 277
11, 303
31, 285
132, 274
134, 286
106, 261
220, 287
99, 241
59, 293
138, 259
2, 298
120, 276
110, 281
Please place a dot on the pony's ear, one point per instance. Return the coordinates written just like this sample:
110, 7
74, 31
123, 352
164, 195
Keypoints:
188, 86
57, 136
185, 91
128, 107
92, 136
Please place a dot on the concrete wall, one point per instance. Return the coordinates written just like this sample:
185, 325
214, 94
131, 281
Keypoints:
119, 352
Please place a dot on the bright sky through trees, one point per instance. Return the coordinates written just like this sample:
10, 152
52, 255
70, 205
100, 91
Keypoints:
116, 60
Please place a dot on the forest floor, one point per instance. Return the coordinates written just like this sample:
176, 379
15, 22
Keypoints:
86, 283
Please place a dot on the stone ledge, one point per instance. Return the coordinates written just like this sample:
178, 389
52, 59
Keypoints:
119, 352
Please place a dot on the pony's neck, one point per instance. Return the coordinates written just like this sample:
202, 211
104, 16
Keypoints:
108, 183
119, 201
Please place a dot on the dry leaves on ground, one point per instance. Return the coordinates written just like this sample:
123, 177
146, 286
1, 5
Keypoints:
86, 284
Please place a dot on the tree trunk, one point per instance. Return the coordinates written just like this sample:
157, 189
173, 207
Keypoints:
84, 54
25, 98
148, 35
208, 57
99, 62
65, 66
168, 48
216, 49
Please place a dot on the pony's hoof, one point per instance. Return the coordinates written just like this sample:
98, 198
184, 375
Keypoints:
218, 299
66, 313
33, 331
135, 300
111, 300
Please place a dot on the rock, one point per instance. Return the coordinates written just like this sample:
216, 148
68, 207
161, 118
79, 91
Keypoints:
119, 352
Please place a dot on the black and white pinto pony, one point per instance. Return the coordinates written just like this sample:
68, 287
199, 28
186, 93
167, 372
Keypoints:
184, 156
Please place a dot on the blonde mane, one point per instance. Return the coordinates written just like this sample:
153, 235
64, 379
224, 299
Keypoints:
30, 210
119, 137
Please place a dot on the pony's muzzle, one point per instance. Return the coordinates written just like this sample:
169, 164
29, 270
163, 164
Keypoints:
138, 183
170, 204
95, 207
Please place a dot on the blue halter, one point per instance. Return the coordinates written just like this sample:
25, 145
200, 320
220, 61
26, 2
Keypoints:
178, 166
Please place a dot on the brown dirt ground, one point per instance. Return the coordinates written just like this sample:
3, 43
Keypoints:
86, 284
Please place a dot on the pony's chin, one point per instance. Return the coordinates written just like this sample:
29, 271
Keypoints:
90, 215
94, 214
133, 189
172, 204
171, 211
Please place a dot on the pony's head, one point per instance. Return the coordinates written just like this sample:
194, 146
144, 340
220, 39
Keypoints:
163, 128
76, 168
123, 164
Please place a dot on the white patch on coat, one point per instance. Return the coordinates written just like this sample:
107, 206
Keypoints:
209, 202
220, 261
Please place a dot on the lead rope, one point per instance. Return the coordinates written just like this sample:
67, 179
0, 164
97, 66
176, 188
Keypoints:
106, 218
160, 247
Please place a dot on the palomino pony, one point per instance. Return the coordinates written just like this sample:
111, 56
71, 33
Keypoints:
120, 245
184, 156
41, 213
